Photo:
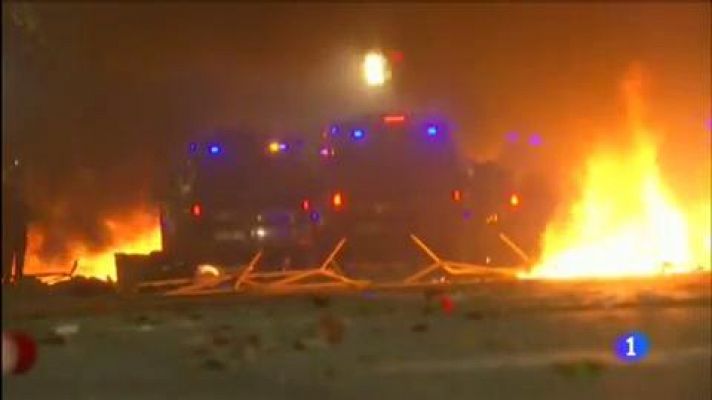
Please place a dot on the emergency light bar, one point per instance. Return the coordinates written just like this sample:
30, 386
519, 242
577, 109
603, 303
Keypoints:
394, 119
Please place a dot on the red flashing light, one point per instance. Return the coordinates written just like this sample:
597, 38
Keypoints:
196, 210
394, 119
396, 56
456, 195
306, 205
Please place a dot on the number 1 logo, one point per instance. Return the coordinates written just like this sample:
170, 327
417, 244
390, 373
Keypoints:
632, 346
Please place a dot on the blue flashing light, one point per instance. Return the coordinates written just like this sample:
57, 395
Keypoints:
283, 147
358, 134
334, 130
314, 216
214, 149
432, 130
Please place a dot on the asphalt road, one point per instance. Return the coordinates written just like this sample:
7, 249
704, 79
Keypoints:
495, 341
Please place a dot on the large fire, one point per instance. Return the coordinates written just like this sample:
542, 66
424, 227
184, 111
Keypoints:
136, 233
626, 223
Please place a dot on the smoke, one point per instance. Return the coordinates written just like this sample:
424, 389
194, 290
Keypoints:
96, 97
72, 206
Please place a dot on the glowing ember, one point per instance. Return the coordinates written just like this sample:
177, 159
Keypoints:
139, 233
625, 223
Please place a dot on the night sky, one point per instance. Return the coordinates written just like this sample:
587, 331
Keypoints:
95, 97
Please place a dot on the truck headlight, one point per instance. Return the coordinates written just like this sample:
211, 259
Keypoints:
259, 233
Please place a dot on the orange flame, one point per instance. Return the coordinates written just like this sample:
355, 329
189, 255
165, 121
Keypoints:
137, 233
626, 222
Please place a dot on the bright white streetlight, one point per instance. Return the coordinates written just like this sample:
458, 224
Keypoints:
375, 69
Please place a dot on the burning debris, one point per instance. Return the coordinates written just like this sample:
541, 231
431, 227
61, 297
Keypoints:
137, 233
